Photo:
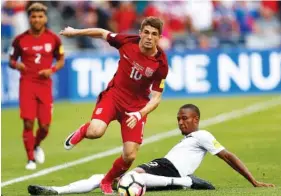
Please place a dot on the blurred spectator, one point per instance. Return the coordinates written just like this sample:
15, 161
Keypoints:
267, 30
272, 5
20, 19
14, 21
124, 18
200, 13
201, 24
245, 16
204, 42
225, 24
7, 28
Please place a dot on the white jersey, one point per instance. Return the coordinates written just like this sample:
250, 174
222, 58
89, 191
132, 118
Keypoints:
187, 155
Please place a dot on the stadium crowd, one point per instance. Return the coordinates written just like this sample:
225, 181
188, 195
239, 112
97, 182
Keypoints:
188, 24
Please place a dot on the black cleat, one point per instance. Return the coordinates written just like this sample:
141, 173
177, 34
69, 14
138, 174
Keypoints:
200, 184
41, 190
67, 143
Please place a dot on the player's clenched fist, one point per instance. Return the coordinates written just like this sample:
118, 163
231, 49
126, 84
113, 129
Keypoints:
134, 117
68, 31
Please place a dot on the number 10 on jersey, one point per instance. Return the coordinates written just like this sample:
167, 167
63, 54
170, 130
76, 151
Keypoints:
135, 74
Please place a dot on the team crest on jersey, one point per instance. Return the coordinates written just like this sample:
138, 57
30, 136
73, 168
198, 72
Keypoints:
149, 72
48, 47
99, 110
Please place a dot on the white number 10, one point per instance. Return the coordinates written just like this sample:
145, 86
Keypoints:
135, 74
38, 58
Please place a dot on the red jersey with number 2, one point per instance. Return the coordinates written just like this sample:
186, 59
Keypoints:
136, 73
36, 52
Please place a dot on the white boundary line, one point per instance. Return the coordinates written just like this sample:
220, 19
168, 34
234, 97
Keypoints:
211, 121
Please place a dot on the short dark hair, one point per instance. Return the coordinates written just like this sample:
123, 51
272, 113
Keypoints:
37, 7
154, 22
192, 107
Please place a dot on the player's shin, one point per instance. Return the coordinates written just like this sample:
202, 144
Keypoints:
41, 134
75, 137
119, 167
81, 186
28, 140
162, 181
80, 133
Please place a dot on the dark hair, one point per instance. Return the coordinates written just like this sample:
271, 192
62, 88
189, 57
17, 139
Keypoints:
37, 7
192, 107
154, 22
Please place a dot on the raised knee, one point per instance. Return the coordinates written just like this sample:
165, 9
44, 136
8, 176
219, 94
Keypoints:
96, 129
94, 133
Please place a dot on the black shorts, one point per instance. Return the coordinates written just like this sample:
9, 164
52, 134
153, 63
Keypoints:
160, 167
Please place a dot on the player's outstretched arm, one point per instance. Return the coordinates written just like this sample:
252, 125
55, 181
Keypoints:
232, 160
92, 32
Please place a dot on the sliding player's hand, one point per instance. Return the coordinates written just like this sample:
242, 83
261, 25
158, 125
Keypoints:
133, 119
262, 184
68, 31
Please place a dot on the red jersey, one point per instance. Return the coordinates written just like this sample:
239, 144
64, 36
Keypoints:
136, 72
36, 53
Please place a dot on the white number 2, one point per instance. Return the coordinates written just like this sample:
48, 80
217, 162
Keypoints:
135, 74
38, 58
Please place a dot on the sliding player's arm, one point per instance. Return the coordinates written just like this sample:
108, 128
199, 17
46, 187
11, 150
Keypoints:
92, 32
232, 160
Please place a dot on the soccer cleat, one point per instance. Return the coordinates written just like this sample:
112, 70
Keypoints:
106, 188
67, 143
31, 165
39, 155
200, 184
41, 190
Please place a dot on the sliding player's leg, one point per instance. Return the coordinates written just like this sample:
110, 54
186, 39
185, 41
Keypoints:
160, 174
104, 112
81, 186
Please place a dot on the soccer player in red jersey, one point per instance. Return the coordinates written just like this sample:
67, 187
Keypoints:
37, 47
141, 71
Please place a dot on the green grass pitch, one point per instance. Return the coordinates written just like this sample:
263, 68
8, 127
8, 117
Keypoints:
254, 138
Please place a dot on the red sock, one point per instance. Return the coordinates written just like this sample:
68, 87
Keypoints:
119, 167
28, 140
41, 134
79, 134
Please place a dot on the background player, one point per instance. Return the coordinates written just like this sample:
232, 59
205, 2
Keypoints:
142, 65
176, 167
37, 48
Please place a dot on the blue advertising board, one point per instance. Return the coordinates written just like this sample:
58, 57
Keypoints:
191, 73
